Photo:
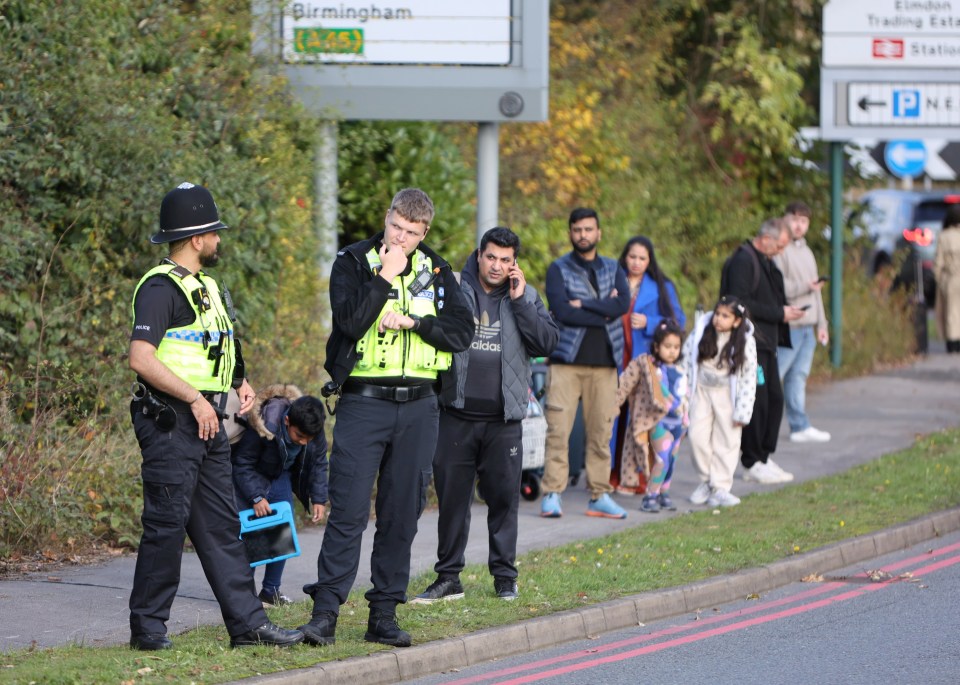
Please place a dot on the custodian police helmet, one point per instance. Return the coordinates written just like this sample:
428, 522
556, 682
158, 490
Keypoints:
187, 210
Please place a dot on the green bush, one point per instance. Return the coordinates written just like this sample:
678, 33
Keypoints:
104, 112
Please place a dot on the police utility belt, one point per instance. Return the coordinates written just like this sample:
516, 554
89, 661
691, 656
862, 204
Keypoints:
394, 393
164, 409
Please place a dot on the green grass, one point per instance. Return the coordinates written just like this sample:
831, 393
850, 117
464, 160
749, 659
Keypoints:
765, 528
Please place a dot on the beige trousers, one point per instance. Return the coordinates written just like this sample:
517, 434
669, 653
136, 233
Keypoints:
714, 439
596, 386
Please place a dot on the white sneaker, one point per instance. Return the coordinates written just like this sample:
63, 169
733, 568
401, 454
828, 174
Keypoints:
762, 473
786, 476
701, 494
723, 498
810, 434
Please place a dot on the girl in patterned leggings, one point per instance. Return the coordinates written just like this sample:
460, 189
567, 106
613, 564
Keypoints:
657, 389
666, 436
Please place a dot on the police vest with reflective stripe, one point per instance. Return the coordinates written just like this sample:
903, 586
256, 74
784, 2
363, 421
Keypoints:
200, 353
403, 353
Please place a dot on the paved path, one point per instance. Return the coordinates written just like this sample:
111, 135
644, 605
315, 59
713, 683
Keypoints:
867, 416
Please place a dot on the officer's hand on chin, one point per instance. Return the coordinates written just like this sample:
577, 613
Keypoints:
392, 261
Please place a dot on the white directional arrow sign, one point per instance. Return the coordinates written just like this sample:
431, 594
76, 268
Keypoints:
905, 155
903, 104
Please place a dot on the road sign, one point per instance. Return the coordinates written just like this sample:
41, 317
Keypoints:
421, 32
901, 50
427, 60
867, 155
885, 104
903, 104
905, 157
890, 16
891, 33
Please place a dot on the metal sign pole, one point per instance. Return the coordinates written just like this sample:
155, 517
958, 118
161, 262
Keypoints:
488, 177
836, 252
325, 190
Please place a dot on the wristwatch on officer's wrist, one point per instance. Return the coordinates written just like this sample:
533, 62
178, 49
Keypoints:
257, 499
416, 322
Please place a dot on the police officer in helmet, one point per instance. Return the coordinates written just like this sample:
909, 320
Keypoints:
186, 359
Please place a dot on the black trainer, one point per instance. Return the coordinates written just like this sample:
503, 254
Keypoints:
150, 642
441, 589
382, 627
273, 598
267, 634
321, 629
506, 588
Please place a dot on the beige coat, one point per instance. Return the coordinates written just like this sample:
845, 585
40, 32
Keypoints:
946, 269
640, 384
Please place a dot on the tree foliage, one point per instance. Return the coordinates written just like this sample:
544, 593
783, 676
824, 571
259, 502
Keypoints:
674, 118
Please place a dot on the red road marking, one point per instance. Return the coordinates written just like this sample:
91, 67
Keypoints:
807, 594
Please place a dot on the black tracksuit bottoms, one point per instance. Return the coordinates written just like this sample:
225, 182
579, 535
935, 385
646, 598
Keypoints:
491, 451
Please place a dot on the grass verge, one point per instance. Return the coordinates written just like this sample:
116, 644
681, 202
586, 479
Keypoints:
766, 527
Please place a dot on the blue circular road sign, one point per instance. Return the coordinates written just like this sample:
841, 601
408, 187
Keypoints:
905, 157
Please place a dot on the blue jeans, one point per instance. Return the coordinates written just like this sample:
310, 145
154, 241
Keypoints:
795, 366
281, 490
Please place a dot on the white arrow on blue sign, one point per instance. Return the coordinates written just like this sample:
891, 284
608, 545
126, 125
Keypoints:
905, 158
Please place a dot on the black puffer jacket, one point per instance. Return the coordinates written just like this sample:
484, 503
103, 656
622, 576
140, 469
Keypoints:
258, 456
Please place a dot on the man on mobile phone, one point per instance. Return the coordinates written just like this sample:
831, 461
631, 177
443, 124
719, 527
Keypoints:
484, 399
802, 287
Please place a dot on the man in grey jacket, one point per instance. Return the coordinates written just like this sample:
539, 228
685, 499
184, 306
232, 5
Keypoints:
484, 399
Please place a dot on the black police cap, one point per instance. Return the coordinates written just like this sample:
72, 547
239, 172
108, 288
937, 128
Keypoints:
187, 210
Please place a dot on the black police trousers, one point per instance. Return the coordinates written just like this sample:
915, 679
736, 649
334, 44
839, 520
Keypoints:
391, 444
188, 489
468, 451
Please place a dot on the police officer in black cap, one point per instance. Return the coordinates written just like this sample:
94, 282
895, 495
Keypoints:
186, 359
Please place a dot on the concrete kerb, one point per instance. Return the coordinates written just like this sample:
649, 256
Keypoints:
491, 643
577, 624
416, 662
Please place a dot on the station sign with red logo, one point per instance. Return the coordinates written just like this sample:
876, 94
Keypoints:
892, 33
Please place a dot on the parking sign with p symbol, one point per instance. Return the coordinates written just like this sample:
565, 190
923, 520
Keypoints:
906, 103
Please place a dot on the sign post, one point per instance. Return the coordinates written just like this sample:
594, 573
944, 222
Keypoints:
890, 72
429, 60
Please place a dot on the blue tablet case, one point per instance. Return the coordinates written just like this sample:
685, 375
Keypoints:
269, 538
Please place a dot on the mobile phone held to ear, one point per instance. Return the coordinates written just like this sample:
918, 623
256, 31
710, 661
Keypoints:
514, 282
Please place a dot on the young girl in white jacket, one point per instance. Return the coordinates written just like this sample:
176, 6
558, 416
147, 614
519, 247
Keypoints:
721, 358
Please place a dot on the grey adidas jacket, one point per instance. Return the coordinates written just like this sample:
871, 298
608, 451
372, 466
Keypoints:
526, 329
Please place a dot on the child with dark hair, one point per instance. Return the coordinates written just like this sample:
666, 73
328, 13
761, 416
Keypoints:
722, 367
282, 452
657, 390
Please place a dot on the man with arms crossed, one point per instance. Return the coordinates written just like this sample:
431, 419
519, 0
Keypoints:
587, 294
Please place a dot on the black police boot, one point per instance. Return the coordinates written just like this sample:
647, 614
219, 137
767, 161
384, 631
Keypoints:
150, 641
321, 629
382, 627
267, 634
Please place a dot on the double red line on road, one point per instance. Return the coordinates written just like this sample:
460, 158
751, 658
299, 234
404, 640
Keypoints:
587, 659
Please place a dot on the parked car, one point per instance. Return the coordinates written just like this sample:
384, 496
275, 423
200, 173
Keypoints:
904, 223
